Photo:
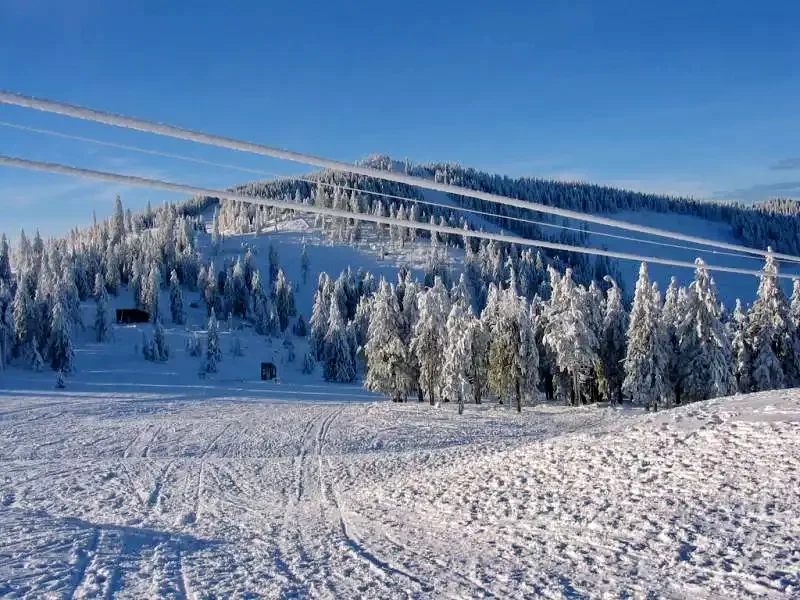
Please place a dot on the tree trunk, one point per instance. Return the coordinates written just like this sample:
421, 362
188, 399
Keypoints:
419, 394
519, 396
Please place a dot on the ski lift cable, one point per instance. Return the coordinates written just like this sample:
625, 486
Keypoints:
278, 176
107, 118
132, 180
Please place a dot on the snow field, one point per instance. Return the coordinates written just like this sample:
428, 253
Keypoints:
216, 493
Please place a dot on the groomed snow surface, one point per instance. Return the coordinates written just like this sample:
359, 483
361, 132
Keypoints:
268, 490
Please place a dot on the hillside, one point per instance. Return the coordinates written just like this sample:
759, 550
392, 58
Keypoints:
774, 223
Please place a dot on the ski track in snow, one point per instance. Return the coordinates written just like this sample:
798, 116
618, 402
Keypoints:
245, 497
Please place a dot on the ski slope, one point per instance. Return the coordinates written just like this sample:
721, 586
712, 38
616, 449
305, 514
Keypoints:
216, 490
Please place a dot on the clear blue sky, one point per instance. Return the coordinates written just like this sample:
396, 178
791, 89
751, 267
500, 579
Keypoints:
684, 97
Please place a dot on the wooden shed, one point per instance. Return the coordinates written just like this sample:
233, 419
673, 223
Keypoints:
268, 371
132, 315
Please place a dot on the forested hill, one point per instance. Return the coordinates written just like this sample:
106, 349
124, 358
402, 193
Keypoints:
771, 223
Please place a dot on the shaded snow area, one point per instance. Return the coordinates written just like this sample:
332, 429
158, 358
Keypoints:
196, 491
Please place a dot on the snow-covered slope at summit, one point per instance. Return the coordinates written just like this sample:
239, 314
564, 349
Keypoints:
214, 491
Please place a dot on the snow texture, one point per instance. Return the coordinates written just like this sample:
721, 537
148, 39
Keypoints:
114, 487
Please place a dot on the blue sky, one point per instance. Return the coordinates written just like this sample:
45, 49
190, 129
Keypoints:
694, 98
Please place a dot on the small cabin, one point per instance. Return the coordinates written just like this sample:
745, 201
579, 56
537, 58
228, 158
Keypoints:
132, 315
268, 371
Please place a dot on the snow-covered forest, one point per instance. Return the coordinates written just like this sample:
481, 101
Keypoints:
515, 326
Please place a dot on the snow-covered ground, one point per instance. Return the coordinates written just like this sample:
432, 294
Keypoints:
265, 490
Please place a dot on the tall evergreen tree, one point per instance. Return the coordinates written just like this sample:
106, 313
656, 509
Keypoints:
101, 316
705, 349
61, 351
742, 360
175, 298
429, 337
213, 347
338, 364
645, 364
771, 334
387, 356
612, 348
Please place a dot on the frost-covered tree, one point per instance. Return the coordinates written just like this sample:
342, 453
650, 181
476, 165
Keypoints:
156, 348
704, 346
612, 347
742, 359
387, 357
794, 306
457, 355
513, 368
60, 349
151, 292
570, 334
213, 347
175, 298
429, 338
320, 316
771, 334
101, 316
284, 299
645, 382
23, 314
338, 364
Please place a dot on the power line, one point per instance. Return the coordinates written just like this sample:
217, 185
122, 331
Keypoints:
281, 204
226, 142
201, 161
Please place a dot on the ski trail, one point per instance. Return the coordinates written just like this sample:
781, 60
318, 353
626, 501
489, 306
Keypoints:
82, 564
306, 445
155, 493
214, 441
330, 498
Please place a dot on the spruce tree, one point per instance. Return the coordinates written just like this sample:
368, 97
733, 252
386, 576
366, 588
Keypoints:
742, 359
61, 352
338, 362
213, 348
101, 317
612, 348
645, 382
387, 357
429, 337
771, 334
175, 298
704, 346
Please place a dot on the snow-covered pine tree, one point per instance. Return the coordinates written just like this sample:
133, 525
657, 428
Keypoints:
612, 348
61, 352
570, 334
387, 357
457, 355
428, 341
794, 306
175, 298
704, 346
645, 364
284, 299
213, 348
513, 368
338, 362
101, 316
151, 292
742, 360
771, 334
478, 367
320, 316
